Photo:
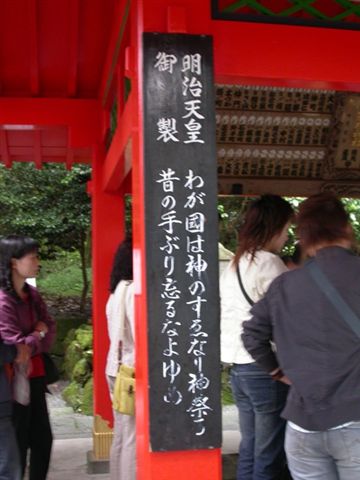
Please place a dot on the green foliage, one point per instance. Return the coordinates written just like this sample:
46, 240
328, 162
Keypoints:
81, 372
72, 394
226, 393
65, 332
352, 206
230, 210
87, 398
50, 204
62, 276
84, 336
128, 214
78, 368
70, 336
72, 356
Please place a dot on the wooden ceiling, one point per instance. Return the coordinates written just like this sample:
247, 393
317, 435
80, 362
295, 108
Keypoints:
52, 60
288, 140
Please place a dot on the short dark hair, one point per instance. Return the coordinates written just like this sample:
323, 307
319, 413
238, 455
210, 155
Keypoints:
265, 218
122, 268
13, 246
322, 218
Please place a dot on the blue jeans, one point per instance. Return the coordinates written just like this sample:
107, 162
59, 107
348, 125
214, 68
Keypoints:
260, 401
328, 455
10, 468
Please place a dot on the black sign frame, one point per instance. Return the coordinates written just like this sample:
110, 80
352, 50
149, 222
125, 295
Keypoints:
181, 242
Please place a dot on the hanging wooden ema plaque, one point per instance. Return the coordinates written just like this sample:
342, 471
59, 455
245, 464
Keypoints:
181, 242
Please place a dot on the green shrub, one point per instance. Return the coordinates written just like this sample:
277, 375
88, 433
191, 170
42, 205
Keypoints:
64, 325
87, 399
84, 337
73, 394
81, 372
78, 364
62, 276
70, 336
72, 356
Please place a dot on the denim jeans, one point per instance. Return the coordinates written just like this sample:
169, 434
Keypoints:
328, 455
10, 468
260, 401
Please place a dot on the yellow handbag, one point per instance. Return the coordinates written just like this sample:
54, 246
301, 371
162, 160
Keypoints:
124, 390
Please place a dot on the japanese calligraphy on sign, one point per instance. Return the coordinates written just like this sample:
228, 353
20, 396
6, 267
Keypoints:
192, 91
181, 239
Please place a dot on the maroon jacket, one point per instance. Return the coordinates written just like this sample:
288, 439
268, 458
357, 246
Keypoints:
18, 319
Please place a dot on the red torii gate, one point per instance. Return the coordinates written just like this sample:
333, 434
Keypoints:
63, 64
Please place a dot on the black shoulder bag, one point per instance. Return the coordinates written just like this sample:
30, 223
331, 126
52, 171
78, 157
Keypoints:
52, 373
251, 302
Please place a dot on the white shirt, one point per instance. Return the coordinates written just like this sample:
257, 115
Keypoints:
113, 314
256, 276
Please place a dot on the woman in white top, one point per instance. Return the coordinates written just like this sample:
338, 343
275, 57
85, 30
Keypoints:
120, 321
259, 397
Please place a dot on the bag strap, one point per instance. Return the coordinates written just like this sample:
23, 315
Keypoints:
122, 315
251, 302
344, 310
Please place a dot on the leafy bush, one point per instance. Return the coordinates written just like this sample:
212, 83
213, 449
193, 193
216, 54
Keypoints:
62, 275
78, 368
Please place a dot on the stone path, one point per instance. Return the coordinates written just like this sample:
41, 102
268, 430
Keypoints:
73, 438
65, 423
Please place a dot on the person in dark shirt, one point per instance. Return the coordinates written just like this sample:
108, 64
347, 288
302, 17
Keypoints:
317, 352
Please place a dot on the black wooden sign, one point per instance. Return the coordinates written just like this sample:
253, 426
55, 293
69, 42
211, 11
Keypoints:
181, 242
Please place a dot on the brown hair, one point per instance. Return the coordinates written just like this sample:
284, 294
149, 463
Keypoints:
264, 219
321, 219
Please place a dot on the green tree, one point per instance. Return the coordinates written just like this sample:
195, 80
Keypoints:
50, 205
231, 210
352, 206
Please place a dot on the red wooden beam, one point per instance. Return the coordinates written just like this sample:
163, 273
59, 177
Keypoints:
282, 55
74, 47
108, 223
268, 54
4, 149
179, 465
176, 19
116, 167
195, 17
33, 47
83, 117
116, 44
69, 158
37, 149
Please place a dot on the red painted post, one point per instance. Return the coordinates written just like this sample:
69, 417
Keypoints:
175, 465
243, 53
108, 223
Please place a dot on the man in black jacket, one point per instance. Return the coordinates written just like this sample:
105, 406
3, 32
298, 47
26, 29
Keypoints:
317, 352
